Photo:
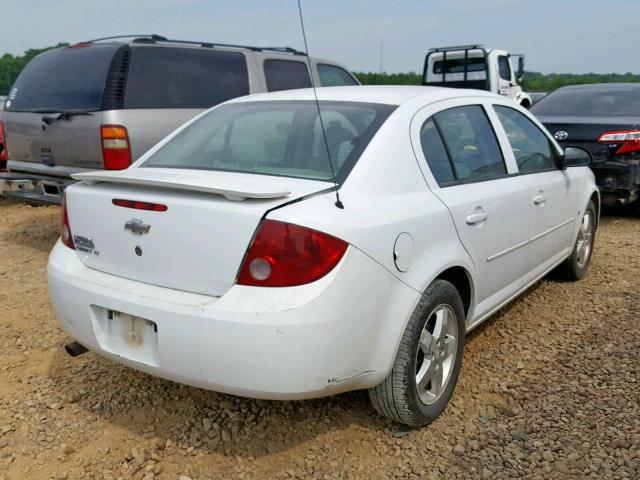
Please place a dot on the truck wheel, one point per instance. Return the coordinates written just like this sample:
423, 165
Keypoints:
427, 365
576, 265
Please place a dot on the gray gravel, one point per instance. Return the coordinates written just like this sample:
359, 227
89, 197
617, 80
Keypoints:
550, 388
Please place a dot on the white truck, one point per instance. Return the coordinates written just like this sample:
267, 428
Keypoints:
473, 66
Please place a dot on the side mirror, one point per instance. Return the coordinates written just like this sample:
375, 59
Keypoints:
576, 157
520, 73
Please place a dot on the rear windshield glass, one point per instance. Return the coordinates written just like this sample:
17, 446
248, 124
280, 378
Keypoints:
456, 65
166, 77
63, 79
590, 103
275, 138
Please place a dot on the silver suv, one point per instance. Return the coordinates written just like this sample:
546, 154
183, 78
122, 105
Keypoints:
101, 104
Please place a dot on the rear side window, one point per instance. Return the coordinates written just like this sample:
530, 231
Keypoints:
332, 76
436, 153
166, 77
456, 65
286, 75
471, 143
275, 138
63, 79
531, 147
504, 69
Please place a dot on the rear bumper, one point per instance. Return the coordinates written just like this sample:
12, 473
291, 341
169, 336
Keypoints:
33, 188
337, 334
618, 180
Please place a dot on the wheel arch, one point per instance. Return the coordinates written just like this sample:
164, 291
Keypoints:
461, 279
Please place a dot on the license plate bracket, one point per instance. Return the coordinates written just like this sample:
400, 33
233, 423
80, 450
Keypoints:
126, 335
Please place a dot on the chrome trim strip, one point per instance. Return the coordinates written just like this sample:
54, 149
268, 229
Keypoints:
531, 240
508, 250
552, 229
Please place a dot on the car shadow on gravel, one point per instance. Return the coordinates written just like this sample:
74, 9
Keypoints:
40, 233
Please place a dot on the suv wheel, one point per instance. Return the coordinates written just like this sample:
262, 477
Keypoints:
576, 265
427, 365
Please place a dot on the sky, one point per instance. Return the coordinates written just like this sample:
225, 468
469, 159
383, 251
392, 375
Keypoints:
557, 36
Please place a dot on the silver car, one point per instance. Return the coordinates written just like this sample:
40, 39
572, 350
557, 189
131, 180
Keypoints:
101, 104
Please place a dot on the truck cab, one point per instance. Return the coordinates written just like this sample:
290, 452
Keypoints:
474, 66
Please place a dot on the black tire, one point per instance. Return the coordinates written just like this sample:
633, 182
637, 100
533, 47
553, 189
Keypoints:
397, 397
572, 268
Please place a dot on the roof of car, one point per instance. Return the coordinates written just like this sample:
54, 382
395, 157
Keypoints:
600, 86
384, 94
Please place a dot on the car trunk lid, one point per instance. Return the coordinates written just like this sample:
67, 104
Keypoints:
197, 244
585, 131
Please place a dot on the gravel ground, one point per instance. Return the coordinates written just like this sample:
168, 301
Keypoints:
550, 388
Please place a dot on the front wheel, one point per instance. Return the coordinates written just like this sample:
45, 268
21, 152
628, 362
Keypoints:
427, 365
576, 265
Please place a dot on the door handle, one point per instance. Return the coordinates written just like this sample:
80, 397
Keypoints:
477, 217
539, 199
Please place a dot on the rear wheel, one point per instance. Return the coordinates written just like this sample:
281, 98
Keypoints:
576, 265
428, 361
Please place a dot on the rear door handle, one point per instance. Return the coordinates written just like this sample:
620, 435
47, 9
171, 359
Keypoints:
539, 199
477, 217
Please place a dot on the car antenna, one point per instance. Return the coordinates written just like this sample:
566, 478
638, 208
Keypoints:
338, 203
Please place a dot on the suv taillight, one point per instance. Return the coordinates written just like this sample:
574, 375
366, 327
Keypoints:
285, 255
116, 151
65, 229
629, 140
3, 138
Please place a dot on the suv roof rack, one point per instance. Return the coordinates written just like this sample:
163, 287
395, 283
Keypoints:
456, 47
155, 38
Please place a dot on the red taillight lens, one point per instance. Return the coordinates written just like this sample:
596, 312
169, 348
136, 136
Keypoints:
285, 255
116, 151
3, 142
629, 140
155, 207
65, 229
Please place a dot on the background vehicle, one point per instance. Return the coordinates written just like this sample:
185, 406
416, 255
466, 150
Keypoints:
227, 238
3, 153
103, 103
605, 119
473, 66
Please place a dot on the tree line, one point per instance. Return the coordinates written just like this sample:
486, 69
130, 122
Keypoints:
10, 67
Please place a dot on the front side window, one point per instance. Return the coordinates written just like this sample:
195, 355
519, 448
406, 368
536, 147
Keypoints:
332, 76
504, 69
275, 138
471, 143
168, 77
286, 75
531, 147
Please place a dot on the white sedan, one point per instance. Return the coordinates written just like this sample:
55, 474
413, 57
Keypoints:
224, 258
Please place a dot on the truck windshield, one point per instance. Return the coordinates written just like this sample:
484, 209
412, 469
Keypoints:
65, 79
281, 138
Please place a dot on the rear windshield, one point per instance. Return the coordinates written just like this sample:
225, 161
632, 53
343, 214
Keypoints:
456, 65
590, 102
166, 77
63, 79
275, 138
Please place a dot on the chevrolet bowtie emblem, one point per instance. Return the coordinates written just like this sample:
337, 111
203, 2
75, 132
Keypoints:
137, 227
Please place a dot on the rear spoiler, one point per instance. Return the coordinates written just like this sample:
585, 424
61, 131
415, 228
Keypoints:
231, 185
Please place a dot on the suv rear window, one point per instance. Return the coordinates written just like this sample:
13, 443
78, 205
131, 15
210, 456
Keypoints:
167, 77
275, 138
286, 75
63, 79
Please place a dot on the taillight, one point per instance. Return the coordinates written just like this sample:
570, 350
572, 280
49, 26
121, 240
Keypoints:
154, 207
116, 151
65, 228
285, 255
629, 140
3, 140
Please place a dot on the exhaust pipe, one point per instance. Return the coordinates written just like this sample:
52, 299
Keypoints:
621, 201
74, 349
